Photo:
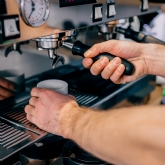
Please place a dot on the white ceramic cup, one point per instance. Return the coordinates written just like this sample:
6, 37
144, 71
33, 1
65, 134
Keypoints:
15, 76
54, 84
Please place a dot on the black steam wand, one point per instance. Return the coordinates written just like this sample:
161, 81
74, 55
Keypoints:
78, 48
138, 36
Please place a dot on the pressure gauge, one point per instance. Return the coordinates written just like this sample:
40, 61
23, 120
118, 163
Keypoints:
34, 12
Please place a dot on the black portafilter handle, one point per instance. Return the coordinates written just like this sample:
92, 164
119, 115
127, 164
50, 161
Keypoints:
79, 49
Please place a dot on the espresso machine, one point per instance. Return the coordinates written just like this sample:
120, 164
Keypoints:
54, 25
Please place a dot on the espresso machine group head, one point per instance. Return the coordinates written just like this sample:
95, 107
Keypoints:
52, 43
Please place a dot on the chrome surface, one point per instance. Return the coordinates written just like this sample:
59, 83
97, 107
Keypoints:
67, 45
52, 43
16, 132
63, 19
82, 97
57, 59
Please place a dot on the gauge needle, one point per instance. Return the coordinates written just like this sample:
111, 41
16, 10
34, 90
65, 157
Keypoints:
33, 9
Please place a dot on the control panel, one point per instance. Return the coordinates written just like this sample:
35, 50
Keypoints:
10, 27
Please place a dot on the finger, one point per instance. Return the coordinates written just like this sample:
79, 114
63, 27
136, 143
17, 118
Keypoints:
99, 65
110, 68
116, 47
87, 62
116, 76
30, 118
6, 84
36, 92
2, 97
33, 101
96, 49
5, 92
29, 109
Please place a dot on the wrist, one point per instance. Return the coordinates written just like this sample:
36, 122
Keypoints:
67, 118
154, 56
74, 121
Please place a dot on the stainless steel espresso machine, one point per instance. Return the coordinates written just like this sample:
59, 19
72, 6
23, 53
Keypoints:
56, 25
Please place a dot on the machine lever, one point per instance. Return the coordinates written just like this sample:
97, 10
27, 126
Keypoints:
78, 48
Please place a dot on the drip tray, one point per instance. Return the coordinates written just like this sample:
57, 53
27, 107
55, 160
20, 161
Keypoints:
16, 132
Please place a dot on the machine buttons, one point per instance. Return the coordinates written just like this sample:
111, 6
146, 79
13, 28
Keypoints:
97, 13
144, 5
111, 11
10, 27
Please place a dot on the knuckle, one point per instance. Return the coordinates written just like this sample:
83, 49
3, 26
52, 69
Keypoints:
28, 117
33, 91
95, 46
37, 105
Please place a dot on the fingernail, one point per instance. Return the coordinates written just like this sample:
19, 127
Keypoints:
12, 87
117, 60
88, 53
104, 60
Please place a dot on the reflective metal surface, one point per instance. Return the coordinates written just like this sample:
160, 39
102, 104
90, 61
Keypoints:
67, 18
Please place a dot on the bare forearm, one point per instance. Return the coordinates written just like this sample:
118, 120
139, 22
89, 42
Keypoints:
123, 137
154, 55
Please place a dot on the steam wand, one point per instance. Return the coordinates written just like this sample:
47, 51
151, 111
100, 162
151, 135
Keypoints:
78, 48
138, 36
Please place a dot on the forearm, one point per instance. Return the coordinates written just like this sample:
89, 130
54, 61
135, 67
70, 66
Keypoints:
154, 55
123, 137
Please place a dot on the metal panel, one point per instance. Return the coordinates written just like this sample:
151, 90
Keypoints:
67, 18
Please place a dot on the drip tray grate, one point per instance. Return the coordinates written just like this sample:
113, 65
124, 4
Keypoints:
9, 136
82, 97
16, 132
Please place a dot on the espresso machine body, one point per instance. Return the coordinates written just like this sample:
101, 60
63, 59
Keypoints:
59, 16
48, 22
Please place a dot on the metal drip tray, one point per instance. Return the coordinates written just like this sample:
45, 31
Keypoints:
82, 97
16, 132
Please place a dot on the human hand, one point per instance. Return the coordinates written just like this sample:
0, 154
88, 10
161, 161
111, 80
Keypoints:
51, 111
113, 70
6, 89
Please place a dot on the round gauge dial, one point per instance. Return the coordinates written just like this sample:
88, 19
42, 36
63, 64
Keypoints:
34, 12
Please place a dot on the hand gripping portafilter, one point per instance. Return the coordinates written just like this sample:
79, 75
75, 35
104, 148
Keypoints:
79, 48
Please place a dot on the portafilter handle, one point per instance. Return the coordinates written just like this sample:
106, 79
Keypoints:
78, 48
